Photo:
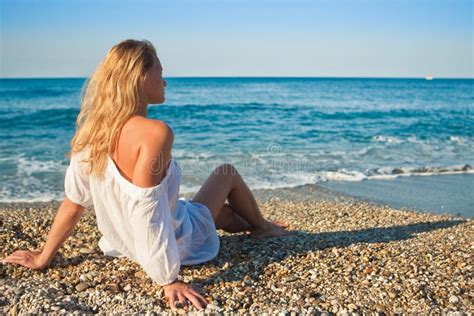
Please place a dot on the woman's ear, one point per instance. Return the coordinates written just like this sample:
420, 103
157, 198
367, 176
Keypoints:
142, 85
142, 80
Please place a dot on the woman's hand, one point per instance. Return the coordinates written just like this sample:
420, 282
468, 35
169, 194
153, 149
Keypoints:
183, 292
67, 217
27, 258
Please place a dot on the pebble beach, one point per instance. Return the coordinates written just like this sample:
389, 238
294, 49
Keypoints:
340, 257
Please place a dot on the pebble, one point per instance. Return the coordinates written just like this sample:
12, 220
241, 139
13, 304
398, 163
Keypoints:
453, 299
211, 307
371, 259
86, 251
351, 307
140, 274
81, 286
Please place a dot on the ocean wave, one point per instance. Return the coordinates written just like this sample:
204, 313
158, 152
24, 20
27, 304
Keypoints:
30, 93
30, 196
27, 167
302, 177
392, 173
46, 118
415, 140
387, 139
381, 114
342, 175
409, 171
296, 179
247, 105
457, 139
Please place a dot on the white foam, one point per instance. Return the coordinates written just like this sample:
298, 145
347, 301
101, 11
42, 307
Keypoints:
387, 139
181, 153
298, 178
457, 139
27, 186
29, 166
29, 196
423, 174
343, 175
383, 177
184, 189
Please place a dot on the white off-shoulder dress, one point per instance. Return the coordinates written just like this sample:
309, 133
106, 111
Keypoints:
151, 226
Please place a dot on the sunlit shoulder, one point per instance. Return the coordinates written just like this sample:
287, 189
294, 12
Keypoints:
155, 139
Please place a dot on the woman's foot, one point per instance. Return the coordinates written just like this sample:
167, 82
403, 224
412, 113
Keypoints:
270, 229
282, 224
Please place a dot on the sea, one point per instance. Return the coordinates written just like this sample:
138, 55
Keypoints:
277, 132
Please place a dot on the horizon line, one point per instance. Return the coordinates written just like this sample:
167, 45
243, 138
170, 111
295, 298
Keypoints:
262, 77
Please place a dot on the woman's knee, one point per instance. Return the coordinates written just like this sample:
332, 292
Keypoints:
229, 173
226, 169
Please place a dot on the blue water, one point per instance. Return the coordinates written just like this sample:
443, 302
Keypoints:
278, 132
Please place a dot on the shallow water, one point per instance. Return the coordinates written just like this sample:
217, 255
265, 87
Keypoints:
441, 194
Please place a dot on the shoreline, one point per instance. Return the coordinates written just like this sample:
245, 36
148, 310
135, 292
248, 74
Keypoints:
443, 194
340, 256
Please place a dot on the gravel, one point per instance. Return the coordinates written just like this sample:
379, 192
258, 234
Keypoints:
340, 257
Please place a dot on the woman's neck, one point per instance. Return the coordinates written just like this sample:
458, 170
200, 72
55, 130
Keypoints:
142, 110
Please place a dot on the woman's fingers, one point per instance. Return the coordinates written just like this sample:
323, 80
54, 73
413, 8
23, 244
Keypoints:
9, 260
16, 260
14, 256
194, 300
171, 301
185, 294
199, 296
23, 257
19, 253
182, 300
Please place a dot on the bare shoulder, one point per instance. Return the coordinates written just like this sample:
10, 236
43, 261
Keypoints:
155, 140
150, 131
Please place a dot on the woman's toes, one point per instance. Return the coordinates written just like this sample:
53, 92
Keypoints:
273, 230
281, 224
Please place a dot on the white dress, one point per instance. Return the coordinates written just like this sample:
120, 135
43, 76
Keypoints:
151, 226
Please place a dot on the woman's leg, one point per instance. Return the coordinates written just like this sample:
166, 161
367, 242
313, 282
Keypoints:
225, 183
231, 222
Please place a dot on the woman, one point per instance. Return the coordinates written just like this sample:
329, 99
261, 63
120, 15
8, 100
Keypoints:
121, 164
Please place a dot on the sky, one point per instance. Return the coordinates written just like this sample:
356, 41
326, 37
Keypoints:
240, 38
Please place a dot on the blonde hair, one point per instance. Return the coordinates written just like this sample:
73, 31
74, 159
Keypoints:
109, 98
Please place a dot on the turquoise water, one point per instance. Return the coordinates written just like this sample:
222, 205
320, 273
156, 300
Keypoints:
278, 132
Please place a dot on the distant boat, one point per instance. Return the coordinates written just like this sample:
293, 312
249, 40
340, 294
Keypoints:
429, 78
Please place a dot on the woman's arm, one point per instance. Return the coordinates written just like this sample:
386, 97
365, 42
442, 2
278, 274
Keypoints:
155, 240
64, 222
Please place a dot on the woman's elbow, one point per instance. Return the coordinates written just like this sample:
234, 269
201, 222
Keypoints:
71, 207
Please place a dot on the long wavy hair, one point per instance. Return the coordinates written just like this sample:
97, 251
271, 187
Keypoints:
109, 98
